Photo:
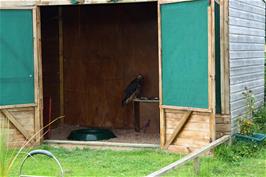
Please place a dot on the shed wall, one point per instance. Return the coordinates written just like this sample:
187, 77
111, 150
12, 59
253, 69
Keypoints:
246, 53
105, 47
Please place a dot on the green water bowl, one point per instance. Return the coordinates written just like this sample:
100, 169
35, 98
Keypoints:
91, 134
256, 137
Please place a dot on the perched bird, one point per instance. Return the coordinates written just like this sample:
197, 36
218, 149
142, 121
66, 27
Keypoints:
133, 90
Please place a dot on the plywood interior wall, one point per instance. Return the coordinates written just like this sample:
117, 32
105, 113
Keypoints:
50, 61
105, 47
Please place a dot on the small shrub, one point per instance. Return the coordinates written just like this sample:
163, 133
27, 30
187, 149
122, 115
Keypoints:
260, 119
237, 151
246, 124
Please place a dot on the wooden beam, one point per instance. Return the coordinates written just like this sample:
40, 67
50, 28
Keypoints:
162, 114
16, 124
178, 128
185, 108
61, 63
100, 143
136, 113
196, 166
190, 157
211, 68
37, 73
224, 41
18, 106
172, 1
145, 101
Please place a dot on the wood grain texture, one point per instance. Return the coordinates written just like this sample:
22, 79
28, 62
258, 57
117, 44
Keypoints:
223, 125
102, 55
195, 133
178, 128
246, 52
224, 42
26, 3
50, 62
189, 157
25, 118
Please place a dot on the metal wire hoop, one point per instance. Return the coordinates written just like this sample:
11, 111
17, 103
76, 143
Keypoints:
41, 152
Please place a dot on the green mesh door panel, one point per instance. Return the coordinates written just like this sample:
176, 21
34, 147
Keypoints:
16, 57
184, 36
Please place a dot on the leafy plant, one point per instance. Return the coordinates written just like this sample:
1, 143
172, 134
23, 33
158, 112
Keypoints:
250, 103
3, 149
237, 151
247, 127
246, 124
260, 119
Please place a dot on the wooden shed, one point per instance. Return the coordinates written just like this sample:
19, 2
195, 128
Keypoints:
73, 58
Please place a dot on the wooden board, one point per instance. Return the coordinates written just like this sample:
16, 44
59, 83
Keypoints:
195, 133
50, 62
25, 3
245, 42
178, 128
25, 119
195, 155
223, 125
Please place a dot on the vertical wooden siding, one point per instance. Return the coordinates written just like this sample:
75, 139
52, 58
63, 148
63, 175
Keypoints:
246, 52
105, 47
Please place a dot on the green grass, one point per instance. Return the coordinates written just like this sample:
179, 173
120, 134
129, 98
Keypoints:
215, 167
237, 160
89, 162
134, 163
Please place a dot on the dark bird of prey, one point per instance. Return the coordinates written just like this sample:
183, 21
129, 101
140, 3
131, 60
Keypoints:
133, 90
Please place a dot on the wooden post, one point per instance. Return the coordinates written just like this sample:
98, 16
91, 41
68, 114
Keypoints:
162, 115
211, 68
38, 114
196, 166
61, 63
136, 115
224, 41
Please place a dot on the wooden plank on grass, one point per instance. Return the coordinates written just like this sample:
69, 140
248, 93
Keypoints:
189, 157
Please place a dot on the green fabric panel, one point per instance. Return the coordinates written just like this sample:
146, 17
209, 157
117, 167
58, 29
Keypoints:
184, 28
217, 59
16, 57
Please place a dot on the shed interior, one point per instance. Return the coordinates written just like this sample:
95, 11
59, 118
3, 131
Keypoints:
103, 48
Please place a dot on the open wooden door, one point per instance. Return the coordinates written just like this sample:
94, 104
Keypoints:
187, 71
20, 92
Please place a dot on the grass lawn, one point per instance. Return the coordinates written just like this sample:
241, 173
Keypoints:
88, 162
215, 167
